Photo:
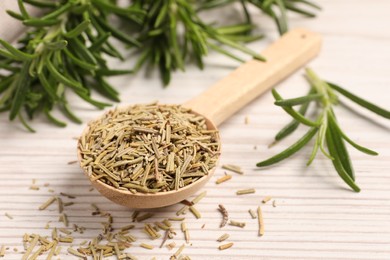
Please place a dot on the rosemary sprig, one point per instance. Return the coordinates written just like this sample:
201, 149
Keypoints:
329, 137
62, 51
167, 48
276, 9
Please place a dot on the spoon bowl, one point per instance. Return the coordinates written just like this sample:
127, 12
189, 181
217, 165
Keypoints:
150, 200
219, 102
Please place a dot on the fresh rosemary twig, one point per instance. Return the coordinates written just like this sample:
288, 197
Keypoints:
329, 137
65, 49
276, 9
62, 50
167, 48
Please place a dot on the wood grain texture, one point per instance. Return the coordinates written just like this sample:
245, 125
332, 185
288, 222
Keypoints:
316, 216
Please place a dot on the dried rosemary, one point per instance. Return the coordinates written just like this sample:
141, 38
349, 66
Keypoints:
233, 168
2, 251
223, 237
225, 215
246, 191
47, 203
237, 224
223, 179
260, 221
225, 246
266, 199
8, 215
149, 148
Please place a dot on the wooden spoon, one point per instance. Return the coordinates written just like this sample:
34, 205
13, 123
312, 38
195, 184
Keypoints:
227, 96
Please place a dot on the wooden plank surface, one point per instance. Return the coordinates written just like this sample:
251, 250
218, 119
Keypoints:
316, 216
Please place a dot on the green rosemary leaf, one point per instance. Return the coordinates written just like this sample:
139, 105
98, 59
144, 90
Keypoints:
364, 103
107, 72
176, 51
161, 15
112, 51
301, 11
293, 125
238, 46
69, 114
106, 89
282, 20
22, 9
17, 53
340, 150
63, 79
82, 9
93, 102
22, 82
15, 15
53, 119
346, 138
78, 29
314, 151
6, 96
6, 82
246, 12
315, 6
322, 136
224, 52
98, 43
56, 45
115, 32
291, 150
338, 162
76, 46
118, 10
235, 29
24, 123
79, 62
43, 4
41, 23
165, 75
9, 55
56, 13
298, 100
47, 86
297, 116
244, 38
145, 55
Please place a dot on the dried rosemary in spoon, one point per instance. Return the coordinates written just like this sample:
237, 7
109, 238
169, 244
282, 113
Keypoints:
326, 128
149, 148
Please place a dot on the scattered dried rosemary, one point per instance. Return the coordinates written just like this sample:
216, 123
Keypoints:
246, 191
223, 179
225, 215
266, 199
223, 237
2, 251
149, 148
237, 224
233, 168
252, 213
260, 220
225, 246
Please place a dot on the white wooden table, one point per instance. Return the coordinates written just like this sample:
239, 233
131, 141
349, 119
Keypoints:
315, 216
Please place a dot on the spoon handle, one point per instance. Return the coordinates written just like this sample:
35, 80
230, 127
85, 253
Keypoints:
230, 94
